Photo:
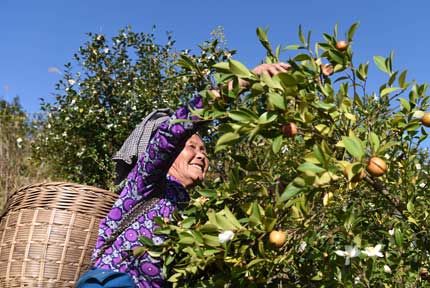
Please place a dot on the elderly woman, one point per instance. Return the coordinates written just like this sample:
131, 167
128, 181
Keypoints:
174, 160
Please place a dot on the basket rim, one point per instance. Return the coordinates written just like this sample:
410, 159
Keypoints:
65, 184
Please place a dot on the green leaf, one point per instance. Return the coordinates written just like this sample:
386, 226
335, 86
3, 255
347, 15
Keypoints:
374, 141
354, 147
380, 63
319, 154
324, 106
412, 126
323, 129
239, 69
262, 36
146, 241
209, 252
255, 261
212, 218
286, 79
388, 90
398, 237
276, 100
289, 192
228, 138
410, 206
155, 254
351, 31
222, 67
272, 82
209, 228
211, 240
230, 216
267, 117
293, 47
185, 62
402, 79
301, 36
302, 57
255, 217
187, 223
277, 144
185, 238
405, 104
336, 56
139, 251
269, 223
224, 223
241, 116
362, 71
308, 166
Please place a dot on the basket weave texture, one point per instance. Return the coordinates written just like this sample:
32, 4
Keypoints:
48, 231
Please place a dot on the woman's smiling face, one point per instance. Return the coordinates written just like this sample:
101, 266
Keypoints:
192, 163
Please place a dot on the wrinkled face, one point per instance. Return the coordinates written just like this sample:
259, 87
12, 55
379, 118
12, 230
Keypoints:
192, 163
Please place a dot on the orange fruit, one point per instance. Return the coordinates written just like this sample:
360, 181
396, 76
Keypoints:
426, 119
289, 129
376, 166
341, 45
277, 238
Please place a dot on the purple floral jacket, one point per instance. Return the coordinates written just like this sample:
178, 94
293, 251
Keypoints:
147, 176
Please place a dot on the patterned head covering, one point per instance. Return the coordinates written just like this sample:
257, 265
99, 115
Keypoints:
135, 145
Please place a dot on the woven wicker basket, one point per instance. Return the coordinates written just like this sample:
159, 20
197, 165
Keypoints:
47, 233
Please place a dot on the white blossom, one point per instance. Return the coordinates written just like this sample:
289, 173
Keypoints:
18, 142
302, 246
387, 269
71, 81
391, 232
357, 280
225, 236
373, 251
350, 252
284, 149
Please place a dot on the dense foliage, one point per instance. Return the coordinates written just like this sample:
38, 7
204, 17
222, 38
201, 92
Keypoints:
345, 224
14, 147
109, 88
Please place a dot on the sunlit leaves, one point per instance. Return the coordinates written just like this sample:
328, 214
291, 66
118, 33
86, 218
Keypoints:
315, 184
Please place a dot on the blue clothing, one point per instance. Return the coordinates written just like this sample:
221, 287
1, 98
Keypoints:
97, 278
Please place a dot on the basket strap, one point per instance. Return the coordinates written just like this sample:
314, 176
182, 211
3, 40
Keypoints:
138, 210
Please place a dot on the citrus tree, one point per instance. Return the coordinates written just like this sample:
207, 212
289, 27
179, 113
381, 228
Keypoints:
323, 183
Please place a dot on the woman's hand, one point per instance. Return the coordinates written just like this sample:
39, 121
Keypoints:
269, 69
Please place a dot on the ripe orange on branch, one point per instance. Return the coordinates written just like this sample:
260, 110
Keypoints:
289, 129
277, 238
376, 166
342, 45
426, 119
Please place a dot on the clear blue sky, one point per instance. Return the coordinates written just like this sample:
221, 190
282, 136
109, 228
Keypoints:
37, 35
